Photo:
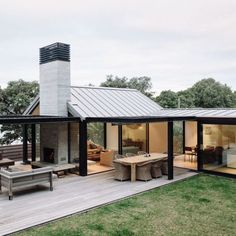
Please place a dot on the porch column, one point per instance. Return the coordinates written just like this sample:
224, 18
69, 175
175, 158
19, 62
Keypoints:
199, 146
69, 142
83, 152
25, 145
33, 142
105, 135
120, 151
147, 137
184, 136
170, 151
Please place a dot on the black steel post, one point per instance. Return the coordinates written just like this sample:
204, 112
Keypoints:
83, 152
105, 135
69, 142
170, 151
147, 137
25, 145
199, 145
184, 126
120, 151
33, 142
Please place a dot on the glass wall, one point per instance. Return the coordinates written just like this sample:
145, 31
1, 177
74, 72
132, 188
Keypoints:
96, 133
158, 137
178, 137
219, 148
133, 138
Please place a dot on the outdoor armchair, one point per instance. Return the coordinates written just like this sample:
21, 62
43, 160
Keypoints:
164, 166
156, 169
122, 171
143, 171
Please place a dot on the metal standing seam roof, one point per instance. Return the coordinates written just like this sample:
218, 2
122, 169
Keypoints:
106, 102
102, 102
198, 112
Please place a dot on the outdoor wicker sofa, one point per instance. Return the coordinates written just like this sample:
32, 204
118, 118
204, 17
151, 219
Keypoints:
21, 179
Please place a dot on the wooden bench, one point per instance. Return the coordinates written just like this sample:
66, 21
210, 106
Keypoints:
19, 179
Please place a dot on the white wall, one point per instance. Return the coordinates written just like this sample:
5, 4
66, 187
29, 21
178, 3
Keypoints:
158, 137
190, 133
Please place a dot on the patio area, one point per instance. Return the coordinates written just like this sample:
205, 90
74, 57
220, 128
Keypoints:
71, 195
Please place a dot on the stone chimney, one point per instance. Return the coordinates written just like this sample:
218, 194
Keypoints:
54, 79
54, 95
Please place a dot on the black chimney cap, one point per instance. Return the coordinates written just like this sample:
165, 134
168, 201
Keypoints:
54, 52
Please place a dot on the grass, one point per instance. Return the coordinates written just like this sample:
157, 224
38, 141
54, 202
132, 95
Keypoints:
201, 205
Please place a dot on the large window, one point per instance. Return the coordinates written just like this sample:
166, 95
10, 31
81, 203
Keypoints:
96, 133
219, 148
178, 137
133, 138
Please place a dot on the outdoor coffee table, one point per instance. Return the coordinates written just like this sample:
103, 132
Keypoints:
134, 160
5, 162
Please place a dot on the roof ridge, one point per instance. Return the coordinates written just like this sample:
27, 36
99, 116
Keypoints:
107, 88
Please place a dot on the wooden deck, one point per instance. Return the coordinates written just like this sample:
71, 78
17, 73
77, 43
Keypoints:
71, 195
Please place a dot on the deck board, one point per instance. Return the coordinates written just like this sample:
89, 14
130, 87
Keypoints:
71, 195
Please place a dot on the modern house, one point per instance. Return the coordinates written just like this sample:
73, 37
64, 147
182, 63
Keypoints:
62, 116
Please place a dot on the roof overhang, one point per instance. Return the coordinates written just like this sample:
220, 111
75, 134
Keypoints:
36, 119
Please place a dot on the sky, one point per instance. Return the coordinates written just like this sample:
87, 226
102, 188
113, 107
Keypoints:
176, 43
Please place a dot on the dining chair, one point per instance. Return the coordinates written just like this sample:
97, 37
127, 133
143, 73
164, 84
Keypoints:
122, 171
129, 154
143, 171
118, 156
141, 153
164, 166
156, 169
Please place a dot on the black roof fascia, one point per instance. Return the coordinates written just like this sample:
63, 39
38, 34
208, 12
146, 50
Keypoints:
36, 119
137, 119
217, 120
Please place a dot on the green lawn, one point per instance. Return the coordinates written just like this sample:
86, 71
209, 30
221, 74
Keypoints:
201, 205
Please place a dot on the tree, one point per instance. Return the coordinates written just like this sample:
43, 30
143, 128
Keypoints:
1, 100
186, 98
16, 97
167, 99
143, 84
115, 82
211, 94
206, 93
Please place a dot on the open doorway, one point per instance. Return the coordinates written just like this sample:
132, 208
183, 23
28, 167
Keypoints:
100, 158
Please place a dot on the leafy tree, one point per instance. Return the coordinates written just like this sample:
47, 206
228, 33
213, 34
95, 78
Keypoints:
167, 99
206, 93
143, 84
209, 94
186, 98
16, 97
1, 100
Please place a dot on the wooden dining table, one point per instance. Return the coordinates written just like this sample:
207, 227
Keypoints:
134, 160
